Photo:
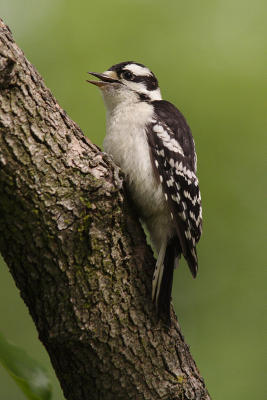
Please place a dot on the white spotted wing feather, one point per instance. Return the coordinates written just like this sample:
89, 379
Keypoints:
173, 156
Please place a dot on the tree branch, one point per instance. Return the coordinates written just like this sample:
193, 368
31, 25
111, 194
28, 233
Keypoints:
78, 253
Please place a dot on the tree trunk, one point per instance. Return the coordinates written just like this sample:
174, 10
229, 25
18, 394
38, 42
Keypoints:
78, 254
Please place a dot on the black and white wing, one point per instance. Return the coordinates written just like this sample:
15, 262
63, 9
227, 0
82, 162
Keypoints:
174, 160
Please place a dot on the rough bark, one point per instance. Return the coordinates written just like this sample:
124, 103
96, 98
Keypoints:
78, 253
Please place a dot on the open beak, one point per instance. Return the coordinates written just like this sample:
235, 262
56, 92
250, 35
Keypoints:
104, 79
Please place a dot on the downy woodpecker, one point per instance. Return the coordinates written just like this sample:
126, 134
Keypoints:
151, 142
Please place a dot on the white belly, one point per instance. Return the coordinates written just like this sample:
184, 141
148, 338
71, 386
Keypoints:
126, 141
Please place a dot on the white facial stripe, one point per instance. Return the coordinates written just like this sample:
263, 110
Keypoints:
137, 86
138, 70
155, 94
141, 88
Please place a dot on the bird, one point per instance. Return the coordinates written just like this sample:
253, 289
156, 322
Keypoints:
150, 140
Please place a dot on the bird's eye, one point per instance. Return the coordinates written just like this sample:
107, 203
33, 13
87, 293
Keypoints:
127, 75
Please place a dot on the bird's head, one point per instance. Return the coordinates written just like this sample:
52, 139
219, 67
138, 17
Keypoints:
127, 82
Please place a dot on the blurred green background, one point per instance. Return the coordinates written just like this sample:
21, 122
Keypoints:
209, 57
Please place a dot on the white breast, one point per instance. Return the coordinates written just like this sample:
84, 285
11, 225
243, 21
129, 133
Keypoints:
126, 141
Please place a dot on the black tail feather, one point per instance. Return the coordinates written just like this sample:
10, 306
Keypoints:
164, 298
